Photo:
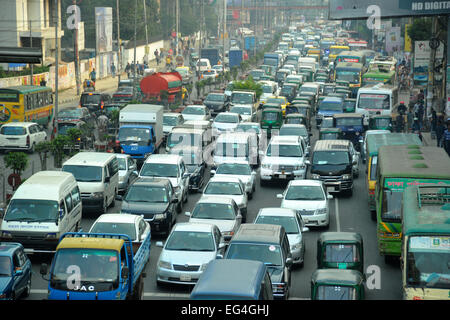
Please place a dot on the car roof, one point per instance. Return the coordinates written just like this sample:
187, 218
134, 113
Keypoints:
293, 125
122, 155
335, 145
171, 114
152, 181
225, 179
265, 233
340, 236
221, 200
332, 99
285, 140
8, 248
305, 182
193, 227
279, 212
118, 217
18, 124
166, 158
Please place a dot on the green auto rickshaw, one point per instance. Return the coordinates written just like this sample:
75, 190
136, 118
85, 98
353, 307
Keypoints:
340, 250
349, 105
297, 118
271, 118
307, 75
310, 98
343, 83
303, 108
271, 105
332, 284
330, 134
381, 122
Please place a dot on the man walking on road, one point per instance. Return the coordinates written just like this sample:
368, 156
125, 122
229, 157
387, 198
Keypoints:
93, 75
157, 56
113, 70
447, 138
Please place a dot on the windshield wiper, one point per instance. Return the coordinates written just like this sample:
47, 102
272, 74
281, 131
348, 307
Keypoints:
28, 219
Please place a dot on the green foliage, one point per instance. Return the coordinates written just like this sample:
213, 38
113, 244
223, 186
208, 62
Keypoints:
25, 72
420, 29
249, 84
57, 149
234, 72
43, 148
16, 161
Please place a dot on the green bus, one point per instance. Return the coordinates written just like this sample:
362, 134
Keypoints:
398, 168
351, 72
373, 143
426, 243
374, 77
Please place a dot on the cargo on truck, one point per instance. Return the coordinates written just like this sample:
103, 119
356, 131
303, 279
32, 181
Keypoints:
211, 54
140, 130
97, 266
235, 58
152, 86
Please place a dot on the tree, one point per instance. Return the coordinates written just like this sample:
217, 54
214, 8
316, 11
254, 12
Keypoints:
420, 29
57, 149
43, 148
249, 84
16, 161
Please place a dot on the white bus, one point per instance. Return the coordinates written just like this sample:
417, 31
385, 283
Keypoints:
376, 99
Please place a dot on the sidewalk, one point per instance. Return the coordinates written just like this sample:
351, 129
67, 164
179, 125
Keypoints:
105, 84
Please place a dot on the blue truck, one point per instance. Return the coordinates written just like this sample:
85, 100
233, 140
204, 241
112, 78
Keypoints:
97, 266
140, 130
212, 54
235, 58
250, 44
272, 59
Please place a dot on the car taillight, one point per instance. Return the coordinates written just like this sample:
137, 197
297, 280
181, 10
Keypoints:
28, 140
101, 106
117, 142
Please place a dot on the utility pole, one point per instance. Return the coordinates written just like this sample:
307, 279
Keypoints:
430, 89
56, 64
76, 53
31, 65
224, 30
147, 49
119, 46
135, 35
177, 17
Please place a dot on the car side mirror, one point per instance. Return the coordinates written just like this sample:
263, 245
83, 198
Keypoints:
187, 214
305, 229
222, 245
213, 172
329, 196
159, 244
289, 262
219, 256
125, 272
280, 196
253, 173
44, 269
354, 162
107, 179
307, 162
174, 200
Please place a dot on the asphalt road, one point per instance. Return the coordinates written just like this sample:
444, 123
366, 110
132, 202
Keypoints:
347, 214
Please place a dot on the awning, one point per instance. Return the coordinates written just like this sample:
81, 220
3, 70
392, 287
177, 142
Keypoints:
20, 55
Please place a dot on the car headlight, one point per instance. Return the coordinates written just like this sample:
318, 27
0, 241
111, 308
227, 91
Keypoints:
296, 246
164, 264
346, 176
315, 176
97, 195
265, 166
51, 236
321, 211
160, 216
203, 267
6, 235
176, 189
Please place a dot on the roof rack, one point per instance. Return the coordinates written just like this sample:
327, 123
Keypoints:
439, 195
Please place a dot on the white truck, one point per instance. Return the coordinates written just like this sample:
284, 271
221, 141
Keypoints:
141, 130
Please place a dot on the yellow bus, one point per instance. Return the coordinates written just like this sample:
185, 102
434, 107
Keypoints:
335, 50
26, 103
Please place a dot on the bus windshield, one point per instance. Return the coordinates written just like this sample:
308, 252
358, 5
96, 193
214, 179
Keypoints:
427, 262
374, 101
348, 75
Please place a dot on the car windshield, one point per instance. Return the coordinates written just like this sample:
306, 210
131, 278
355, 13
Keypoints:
226, 118
115, 228
391, 208
293, 131
122, 163
289, 223
328, 292
72, 114
307, 193
284, 150
249, 128
234, 168
308, 89
349, 121
5, 267
165, 170
141, 193
232, 149
350, 76
182, 72
241, 98
241, 110
32, 210
286, 90
218, 211
331, 106
13, 131
267, 89
170, 121
63, 128
276, 100
267, 253
215, 97
194, 110
190, 241
270, 116
90, 99
224, 188
184, 139
331, 158
374, 101
128, 90
327, 123
134, 135
98, 269
85, 173
343, 253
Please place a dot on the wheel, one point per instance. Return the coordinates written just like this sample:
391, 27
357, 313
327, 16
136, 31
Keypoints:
179, 207
185, 197
27, 291
262, 183
113, 202
33, 147
250, 196
105, 206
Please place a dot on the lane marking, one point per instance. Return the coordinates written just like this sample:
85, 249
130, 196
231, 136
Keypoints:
338, 224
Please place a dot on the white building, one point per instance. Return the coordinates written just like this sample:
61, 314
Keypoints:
17, 17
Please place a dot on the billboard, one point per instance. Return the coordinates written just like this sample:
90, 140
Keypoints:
360, 9
103, 29
422, 55
393, 40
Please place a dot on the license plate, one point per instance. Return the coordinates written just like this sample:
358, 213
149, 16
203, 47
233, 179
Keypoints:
282, 176
185, 277
331, 189
305, 220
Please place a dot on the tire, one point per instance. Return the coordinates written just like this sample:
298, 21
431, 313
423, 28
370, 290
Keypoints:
113, 202
262, 183
33, 147
179, 207
27, 291
104, 209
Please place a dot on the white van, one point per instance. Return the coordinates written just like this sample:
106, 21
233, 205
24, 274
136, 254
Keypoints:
203, 65
44, 207
97, 174
236, 146
375, 99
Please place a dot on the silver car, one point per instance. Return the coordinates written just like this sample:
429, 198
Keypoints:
127, 171
294, 226
187, 251
222, 212
228, 187
240, 170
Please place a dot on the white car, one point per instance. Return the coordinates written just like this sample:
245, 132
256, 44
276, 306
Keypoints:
253, 127
21, 136
196, 112
209, 74
284, 159
310, 199
131, 225
240, 170
188, 250
222, 212
225, 122
269, 88
248, 113
293, 224
171, 120
127, 171
219, 68
228, 187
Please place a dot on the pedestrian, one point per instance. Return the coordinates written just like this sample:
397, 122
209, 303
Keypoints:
420, 113
410, 117
421, 95
128, 69
93, 75
43, 83
401, 108
113, 70
440, 129
156, 53
446, 137
416, 127
433, 122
